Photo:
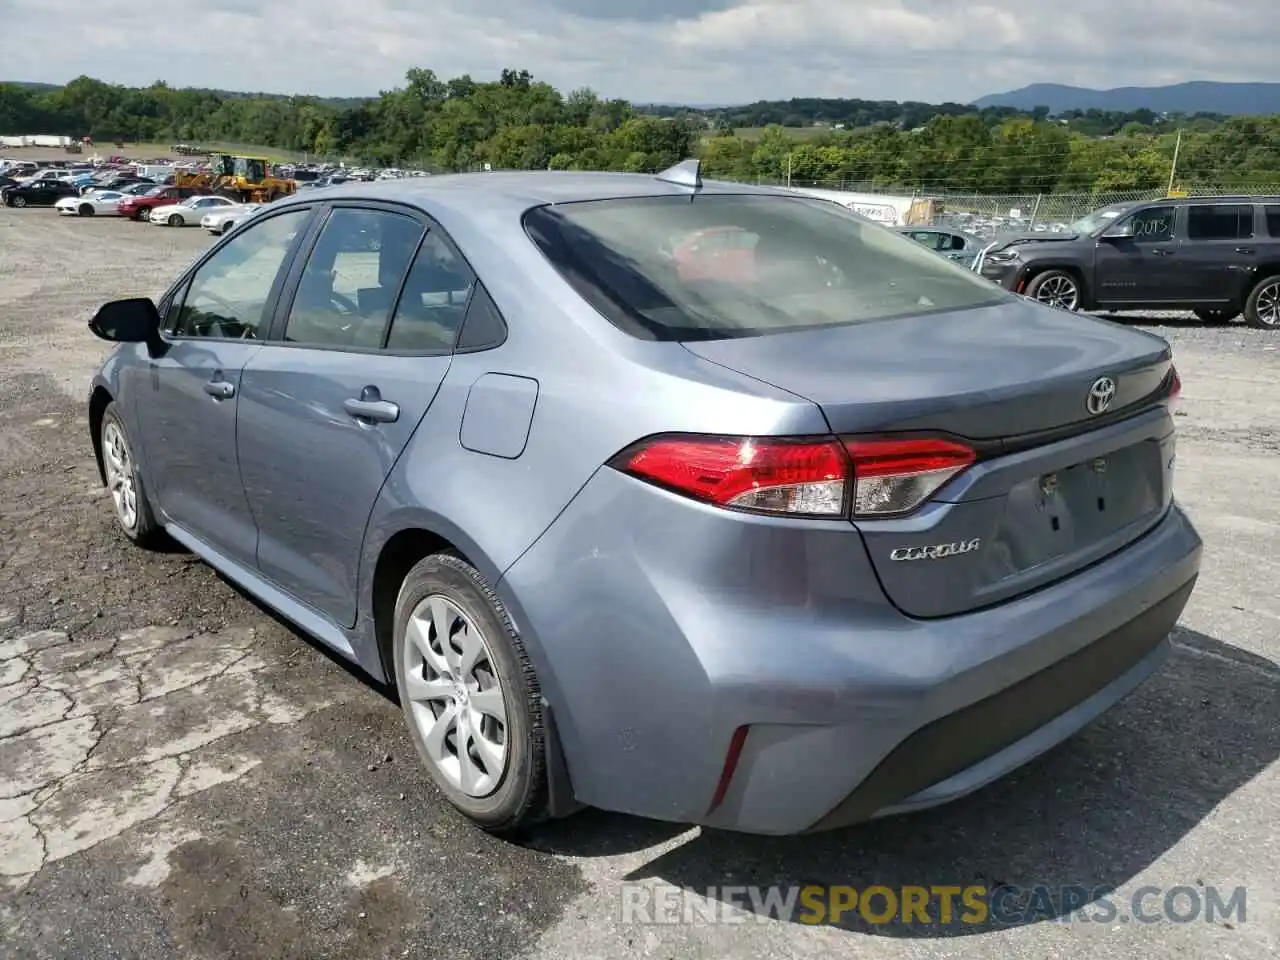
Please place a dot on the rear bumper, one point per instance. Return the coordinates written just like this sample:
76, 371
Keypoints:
660, 627
965, 750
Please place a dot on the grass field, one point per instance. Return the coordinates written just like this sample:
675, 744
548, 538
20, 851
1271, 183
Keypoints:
800, 133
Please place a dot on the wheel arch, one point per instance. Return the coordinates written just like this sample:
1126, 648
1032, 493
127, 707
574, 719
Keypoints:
403, 544
99, 399
1267, 270
1038, 267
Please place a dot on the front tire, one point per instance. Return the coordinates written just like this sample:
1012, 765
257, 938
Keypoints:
1056, 288
175, 220
1262, 309
470, 695
124, 481
86, 210
19, 201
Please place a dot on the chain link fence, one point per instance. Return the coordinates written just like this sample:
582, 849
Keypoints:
984, 214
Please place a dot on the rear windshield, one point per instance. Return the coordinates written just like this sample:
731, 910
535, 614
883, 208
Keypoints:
718, 266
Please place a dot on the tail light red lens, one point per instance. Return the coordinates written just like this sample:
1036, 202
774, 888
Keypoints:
801, 477
806, 476
1175, 390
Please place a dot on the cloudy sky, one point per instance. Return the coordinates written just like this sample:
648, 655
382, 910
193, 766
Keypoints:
692, 51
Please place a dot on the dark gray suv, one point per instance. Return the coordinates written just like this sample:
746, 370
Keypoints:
1218, 257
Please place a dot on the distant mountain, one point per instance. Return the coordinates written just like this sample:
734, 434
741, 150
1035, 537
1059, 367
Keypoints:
1199, 96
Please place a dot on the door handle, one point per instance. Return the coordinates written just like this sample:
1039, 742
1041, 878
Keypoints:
220, 389
377, 411
1245, 250
1163, 253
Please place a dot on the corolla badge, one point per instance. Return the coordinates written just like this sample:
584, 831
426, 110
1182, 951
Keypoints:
936, 551
1101, 393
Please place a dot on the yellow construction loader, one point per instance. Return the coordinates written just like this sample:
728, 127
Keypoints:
247, 179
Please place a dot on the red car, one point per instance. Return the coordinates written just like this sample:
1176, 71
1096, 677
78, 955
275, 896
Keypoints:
139, 208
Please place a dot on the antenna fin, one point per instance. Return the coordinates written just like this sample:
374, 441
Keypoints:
686, 173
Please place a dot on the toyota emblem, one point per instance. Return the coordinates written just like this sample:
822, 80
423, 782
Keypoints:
1100, 396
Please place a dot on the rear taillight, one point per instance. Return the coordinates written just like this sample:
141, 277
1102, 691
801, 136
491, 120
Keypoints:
1175, 390
804, 476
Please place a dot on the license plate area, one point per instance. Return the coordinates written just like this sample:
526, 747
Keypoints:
1075, 508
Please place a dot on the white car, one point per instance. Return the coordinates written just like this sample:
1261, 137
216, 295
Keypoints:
222, 219
101, 203
189, 211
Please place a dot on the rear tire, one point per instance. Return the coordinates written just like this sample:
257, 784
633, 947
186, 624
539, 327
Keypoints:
124, 482
1056, 288
1262, 309
445, 610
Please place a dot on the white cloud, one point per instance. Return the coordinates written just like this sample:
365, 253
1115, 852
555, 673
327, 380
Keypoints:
697, 51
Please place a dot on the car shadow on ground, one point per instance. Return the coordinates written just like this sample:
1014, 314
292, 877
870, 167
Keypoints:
1090, 815
1183, 321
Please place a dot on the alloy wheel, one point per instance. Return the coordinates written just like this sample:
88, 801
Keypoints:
120, 477
1060, 292
1268, 305
456, 700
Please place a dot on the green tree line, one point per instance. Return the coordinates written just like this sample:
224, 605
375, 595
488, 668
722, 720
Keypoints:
519, 122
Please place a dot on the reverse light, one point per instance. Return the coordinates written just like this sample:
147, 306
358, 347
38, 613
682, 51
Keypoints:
895, 476
801, 476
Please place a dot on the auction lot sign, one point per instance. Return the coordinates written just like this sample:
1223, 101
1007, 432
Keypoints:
882, 208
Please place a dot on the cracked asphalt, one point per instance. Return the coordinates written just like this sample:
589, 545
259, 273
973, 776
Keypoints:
182, 775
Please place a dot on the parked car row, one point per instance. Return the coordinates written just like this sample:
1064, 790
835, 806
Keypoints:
145, 202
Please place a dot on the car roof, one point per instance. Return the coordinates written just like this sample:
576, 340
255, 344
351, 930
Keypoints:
1211, 199
513, 192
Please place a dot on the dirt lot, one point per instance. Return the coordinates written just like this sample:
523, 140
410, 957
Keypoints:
183, 776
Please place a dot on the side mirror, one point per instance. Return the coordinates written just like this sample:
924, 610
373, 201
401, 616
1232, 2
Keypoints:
1123, 231
135, 320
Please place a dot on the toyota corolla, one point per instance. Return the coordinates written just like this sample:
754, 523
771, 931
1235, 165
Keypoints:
699, 501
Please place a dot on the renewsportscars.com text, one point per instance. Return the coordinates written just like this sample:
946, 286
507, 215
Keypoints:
936, 905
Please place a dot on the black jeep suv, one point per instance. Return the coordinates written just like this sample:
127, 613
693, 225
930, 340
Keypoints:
1216, 256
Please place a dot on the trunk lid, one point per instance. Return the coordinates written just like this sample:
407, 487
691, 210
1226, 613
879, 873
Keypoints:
985, 373
1056, 488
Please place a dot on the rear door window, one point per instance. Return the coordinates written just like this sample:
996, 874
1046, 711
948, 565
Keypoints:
434, 300
1219, 221
737, 265
1273, 219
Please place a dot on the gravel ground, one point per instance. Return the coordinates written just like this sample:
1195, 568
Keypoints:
183, 776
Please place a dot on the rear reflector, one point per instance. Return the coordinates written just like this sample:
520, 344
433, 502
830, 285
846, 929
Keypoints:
803, 476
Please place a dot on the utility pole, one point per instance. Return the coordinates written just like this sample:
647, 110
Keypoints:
1173, 167
788, 171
